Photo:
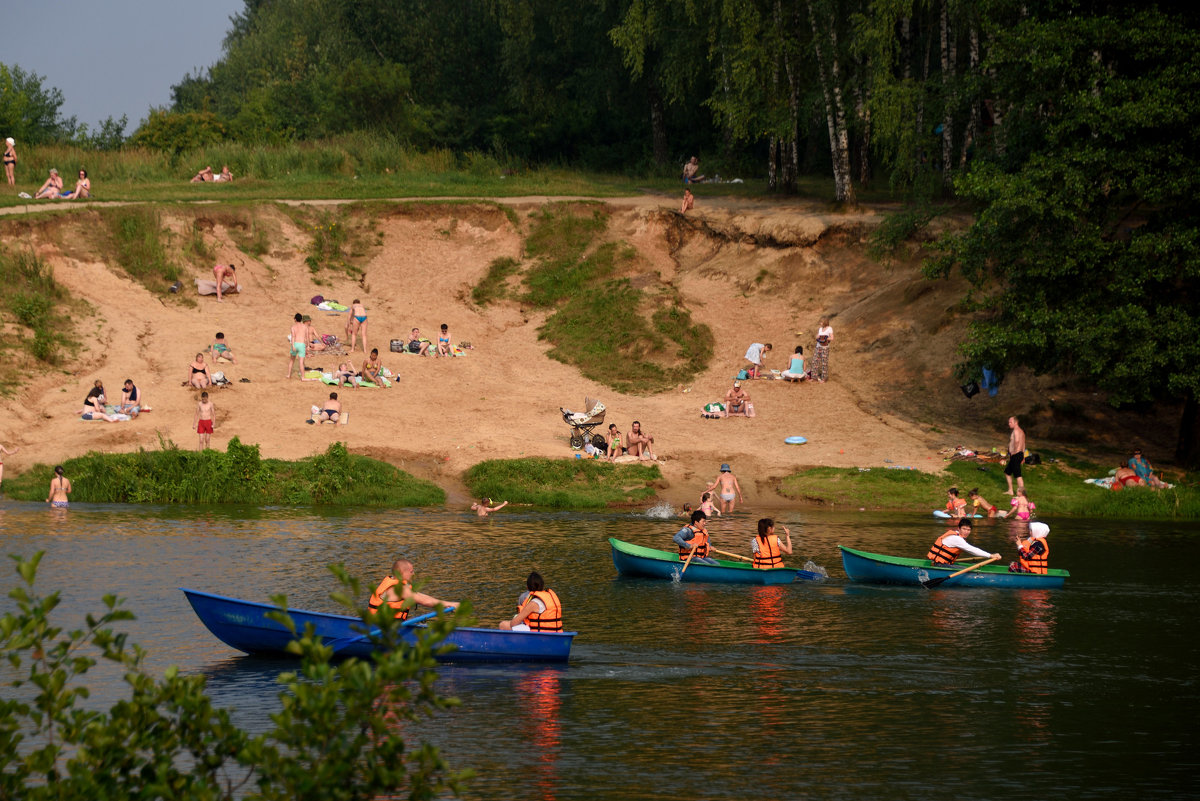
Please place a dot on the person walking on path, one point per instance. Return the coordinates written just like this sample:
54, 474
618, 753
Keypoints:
730, 488
1016, 456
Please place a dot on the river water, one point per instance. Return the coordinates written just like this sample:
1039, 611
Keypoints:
833, 690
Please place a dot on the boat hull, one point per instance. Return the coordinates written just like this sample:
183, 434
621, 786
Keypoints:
636, 560
874, 568
244, 626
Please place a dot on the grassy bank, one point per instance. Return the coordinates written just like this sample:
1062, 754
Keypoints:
563, 483
239, 475
36, 316
1057, 489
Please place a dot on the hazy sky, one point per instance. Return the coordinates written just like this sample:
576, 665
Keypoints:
113, 57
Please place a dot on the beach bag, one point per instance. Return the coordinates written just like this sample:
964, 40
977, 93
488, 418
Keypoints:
317, 300
970, 389
742, 375
396, 346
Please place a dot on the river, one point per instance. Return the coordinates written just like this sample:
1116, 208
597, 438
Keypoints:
830, 690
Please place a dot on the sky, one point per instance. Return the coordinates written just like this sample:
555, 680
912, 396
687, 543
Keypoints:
113, 57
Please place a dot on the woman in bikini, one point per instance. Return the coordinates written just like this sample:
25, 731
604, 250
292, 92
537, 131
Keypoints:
357, 324
83, 187
443, 348
224, 274
614, 443
198, 376
60, 488
10, 161
372, 369
52, 188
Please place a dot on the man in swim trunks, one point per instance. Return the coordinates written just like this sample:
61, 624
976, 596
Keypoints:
736, 400
131, 399
206, 412
1016, 456
415, 345
638, 443
730, 488
298, 338
332, 410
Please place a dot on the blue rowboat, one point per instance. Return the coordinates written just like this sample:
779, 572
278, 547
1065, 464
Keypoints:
635, 560
874, 568
244, 626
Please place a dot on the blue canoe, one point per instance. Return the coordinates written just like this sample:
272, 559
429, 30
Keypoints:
874, 568
244, 626
635, 560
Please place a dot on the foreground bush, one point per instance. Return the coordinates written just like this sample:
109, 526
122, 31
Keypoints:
339, 734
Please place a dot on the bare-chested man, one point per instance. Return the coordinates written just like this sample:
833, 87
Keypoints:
1016, 455
396, 591
332, 410
299, 340
206, 413
638, 443
736, 400
730, 489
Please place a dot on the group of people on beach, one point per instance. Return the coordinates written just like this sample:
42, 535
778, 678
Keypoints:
818, 371
53, 187
96, 405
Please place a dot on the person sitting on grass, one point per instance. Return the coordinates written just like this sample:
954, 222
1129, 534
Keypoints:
203, 176
1145, 471
83, 187
52, 188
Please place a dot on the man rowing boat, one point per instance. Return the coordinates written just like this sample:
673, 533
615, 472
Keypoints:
404, 600
692, 539
946, 549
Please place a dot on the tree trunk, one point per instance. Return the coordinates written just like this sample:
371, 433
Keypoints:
658, 126
1187, 448
973, 119
791, 167
772, 157
835, 111
949, 56
862, 109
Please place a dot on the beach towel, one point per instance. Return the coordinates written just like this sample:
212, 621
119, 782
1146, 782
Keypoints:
210, 287
327, 378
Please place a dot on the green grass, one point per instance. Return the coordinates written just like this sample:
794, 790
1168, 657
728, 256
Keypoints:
239, 475
1057, 489
494, 285
137, 235
41, 309
563, 483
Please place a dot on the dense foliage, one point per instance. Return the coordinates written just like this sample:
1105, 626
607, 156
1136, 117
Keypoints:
338, 735
563, 483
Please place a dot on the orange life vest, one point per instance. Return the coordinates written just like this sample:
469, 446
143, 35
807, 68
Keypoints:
769, 554
941, 554
551, 619
957, 507
1034, 562
377, 597
699, 543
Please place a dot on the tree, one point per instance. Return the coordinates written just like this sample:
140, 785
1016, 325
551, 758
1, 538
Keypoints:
1086, 246
28, 110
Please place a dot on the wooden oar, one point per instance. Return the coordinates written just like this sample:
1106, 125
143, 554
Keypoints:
729, 553
931, 583
688, 562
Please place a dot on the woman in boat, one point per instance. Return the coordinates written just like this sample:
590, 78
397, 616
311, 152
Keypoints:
1033, 552
538, 609
768, 550
396, 591
946, 549
692, 539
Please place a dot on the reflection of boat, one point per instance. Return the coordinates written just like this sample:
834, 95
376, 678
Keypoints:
244, 625
874, 568
635, 560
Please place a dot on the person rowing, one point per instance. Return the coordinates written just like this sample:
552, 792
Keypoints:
402, 601
946, 549
538, 609
692, 539
768, 550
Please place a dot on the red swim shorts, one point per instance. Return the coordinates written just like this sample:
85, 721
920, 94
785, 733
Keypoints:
204, 427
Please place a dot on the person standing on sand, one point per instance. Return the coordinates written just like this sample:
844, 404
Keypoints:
206, 412
223, 273
821, 357
730, 488
357, 324
4, 450
60, 488
1016, 456
298, 337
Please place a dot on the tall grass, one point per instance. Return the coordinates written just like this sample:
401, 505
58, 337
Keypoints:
239, 475
138, 236
494, 285
563, 483
36, 302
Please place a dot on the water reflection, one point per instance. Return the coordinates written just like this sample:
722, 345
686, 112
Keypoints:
683, 690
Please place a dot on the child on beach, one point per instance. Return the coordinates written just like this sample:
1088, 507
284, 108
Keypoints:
1023, 506
706, 505
206, 412
220, 350
484, 507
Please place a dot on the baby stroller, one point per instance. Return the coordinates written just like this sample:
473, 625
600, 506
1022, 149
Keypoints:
582, 424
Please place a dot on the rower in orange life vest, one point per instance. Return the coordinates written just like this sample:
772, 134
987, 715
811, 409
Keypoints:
403, 600
693, 539
956, 506
768, 550
1033, 552
537, 610
946, 549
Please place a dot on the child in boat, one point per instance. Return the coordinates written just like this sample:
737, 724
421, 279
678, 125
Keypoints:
978, 503
955, 506
1033, 552
1022, 505
706, 505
